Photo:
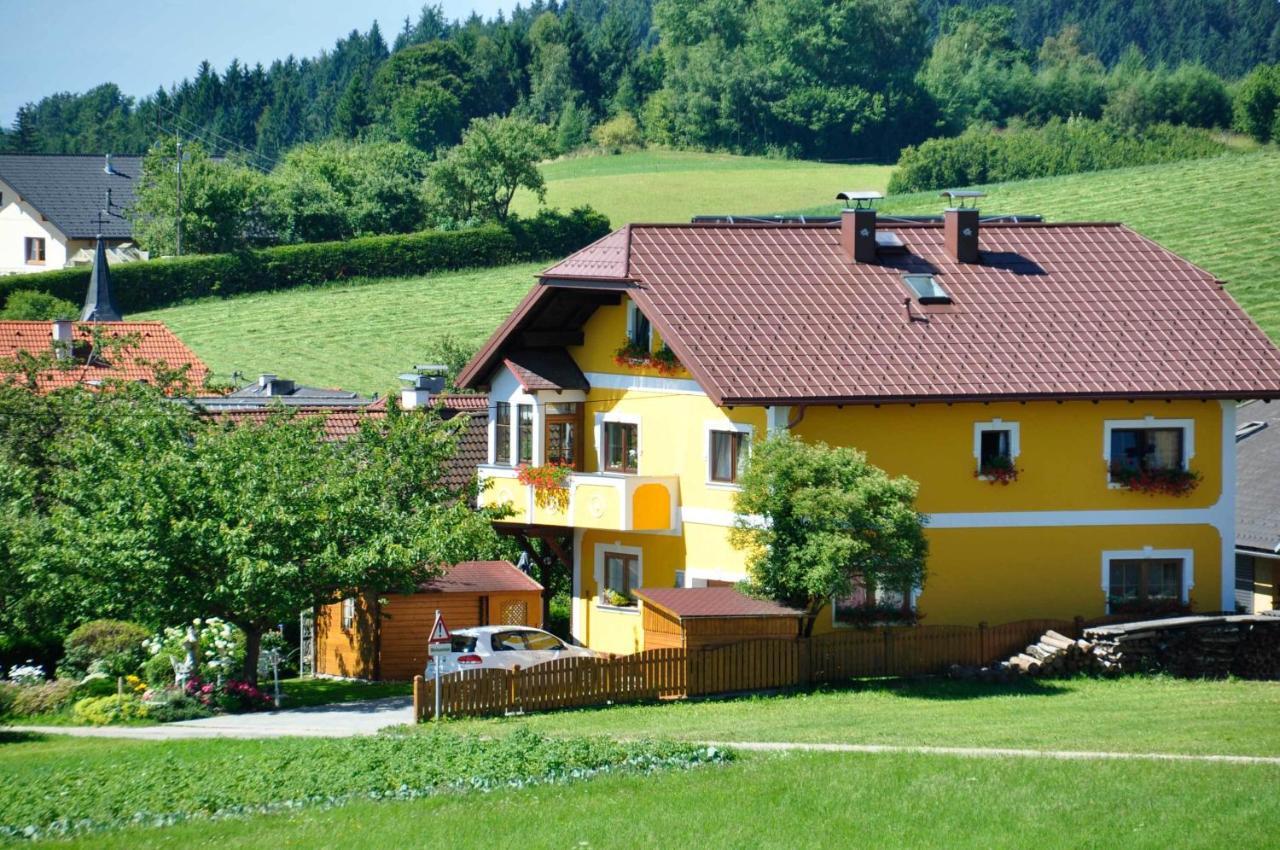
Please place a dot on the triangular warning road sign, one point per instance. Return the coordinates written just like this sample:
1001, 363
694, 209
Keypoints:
439, 632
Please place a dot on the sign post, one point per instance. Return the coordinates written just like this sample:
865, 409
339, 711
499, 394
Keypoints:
438, 646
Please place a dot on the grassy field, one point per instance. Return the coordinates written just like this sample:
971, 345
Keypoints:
357, 335
676, 185
798, 800
1235, 718
1221, 213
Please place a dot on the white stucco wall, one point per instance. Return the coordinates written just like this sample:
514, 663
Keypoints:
18, 220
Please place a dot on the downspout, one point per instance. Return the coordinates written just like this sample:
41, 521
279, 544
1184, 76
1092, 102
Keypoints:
793, 420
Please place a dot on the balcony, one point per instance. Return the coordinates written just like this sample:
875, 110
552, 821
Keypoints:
608, 502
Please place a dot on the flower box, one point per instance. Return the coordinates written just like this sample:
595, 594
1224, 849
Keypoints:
663, 360
999, 470
551, 476
1167, 482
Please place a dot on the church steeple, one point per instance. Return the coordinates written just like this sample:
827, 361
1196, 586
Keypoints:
98, 306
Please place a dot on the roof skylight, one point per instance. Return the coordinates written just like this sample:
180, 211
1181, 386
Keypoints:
926, 289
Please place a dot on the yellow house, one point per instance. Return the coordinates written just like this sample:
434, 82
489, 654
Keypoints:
1065, 394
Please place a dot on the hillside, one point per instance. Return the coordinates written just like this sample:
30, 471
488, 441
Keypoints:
676, 185
1220, 213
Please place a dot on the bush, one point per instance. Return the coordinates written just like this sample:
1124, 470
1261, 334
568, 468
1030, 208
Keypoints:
113, 647
29, 305
171, 705
219, 652
96, 685
161, 283
44, 698
102, 711
230, 697
980, 155
8, 693
618, 133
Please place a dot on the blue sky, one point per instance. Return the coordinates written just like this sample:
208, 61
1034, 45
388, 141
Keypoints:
74, 45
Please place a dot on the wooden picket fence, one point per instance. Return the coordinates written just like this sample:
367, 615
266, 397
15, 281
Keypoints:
753, 665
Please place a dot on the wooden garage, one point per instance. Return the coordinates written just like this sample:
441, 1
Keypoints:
696, 617
363, 638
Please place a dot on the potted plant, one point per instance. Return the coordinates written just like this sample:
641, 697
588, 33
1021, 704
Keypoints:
618, 600
549, 476
1167, 482
631, 353
997, 470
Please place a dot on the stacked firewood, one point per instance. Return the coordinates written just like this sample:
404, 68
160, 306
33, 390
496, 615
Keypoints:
1200, 647
1054, 654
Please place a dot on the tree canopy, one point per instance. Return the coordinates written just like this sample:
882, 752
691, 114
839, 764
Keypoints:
817, 521
478, 178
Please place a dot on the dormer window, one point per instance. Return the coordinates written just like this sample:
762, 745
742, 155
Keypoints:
639, 331
926, 289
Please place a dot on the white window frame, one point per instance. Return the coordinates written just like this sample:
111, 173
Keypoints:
1187, 556
600, 550
348, 614
1188, 427
727, 427
598, 433
632, 309
1015, 440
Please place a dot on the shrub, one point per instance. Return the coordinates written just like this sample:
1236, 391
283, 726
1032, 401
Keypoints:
27, 674
96, 685
980, 155
43, 698
231, 697
8, 693
161, 283
171, 705
618, 133
220, 650
101, 711
113, 647
30, 305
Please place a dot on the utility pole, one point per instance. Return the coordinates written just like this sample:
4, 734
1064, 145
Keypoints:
178, 221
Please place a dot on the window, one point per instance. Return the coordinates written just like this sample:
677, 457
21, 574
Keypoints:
926, 289
729, 451
462, 643
995, 447
524, 433
34, 246
867, 604
508, 642
562, 430
1143, 579
542, 642
502, 433
621, 448
348, 613
639, 331
1147, 448
621, 577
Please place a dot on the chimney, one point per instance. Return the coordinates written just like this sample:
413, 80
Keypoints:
960, 226
62, 339
275, 385
858, 226
426, 383
98, 306
108, 168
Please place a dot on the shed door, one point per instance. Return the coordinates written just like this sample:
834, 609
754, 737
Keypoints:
508, 611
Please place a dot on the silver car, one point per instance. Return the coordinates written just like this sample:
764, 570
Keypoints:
503, 647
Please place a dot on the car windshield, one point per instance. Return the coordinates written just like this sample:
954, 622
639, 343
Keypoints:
462, 643
542, 642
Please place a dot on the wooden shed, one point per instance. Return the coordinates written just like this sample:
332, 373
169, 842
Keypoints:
694, 617
363, 638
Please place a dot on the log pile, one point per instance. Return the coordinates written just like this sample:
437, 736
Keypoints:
1054, 654
1191, 647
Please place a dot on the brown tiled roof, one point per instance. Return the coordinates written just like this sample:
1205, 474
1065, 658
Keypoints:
545, 369
472, 449
775, 313
481, 577
606, 258
692, 602
154, 343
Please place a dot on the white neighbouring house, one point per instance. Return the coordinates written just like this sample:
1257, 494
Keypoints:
53, 206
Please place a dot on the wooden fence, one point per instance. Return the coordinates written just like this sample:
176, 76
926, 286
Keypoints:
753, 665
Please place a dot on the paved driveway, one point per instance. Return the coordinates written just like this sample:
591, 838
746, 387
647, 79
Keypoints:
340, 720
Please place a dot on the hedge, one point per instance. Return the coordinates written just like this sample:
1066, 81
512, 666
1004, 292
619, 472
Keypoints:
161, 283
982, 155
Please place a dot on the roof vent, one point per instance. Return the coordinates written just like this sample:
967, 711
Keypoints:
426, 382
108, 168
926, 289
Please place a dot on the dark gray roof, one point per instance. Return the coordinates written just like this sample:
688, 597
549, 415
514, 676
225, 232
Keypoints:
1258, 476
271, 389
70, 190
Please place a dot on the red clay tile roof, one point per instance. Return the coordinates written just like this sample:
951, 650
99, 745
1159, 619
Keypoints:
775, 314
481, 577
605, 259
692, 602
155, 342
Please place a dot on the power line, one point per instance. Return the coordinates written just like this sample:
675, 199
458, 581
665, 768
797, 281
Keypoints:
204, 134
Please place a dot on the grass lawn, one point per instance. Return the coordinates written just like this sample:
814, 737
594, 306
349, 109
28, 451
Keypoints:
1129, 715
1220, 213
801, 800
357, 335
299, 693
677, 185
